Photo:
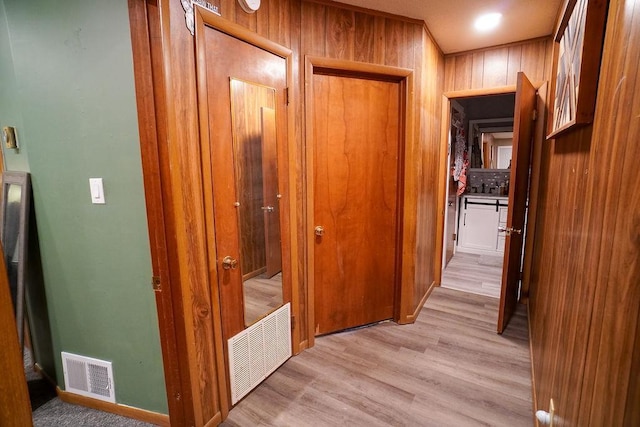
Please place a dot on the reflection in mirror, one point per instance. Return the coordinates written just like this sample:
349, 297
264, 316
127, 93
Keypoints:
489, 144
496, 149
253, 121
14, 214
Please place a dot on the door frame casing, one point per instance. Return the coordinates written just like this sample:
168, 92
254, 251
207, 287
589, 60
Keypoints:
205, 18
405, 78
187, 303
445, 126
443, 174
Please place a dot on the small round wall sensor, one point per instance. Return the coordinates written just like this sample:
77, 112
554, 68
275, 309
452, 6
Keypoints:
249, 6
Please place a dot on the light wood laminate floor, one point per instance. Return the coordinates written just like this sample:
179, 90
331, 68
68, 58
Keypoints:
262, 295
449, 368
477, 274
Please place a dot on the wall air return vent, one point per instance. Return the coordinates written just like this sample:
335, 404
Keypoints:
88, 377
258, 351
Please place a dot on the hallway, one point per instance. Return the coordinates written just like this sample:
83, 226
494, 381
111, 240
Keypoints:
450, 368
477, 274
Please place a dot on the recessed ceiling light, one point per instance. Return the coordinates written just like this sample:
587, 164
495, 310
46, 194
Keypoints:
488, 21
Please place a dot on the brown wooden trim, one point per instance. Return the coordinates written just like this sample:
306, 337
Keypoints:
534, 188
408, 169
442, 182
205, 18
441, 201
308, 138
184, 210
151, 116
412, 318
215, 421
407, 220
292, 232
346, 67
500, 90
211, 19
114, 408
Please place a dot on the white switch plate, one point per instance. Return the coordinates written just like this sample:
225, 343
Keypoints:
97, 191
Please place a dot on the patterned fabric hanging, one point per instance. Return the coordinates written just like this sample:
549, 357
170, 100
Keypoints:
460, 148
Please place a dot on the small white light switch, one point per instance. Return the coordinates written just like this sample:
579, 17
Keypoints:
97, 191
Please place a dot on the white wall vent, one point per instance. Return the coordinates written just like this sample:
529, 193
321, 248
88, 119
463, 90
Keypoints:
88, 377
258, 351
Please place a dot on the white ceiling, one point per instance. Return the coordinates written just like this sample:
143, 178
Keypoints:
451, 21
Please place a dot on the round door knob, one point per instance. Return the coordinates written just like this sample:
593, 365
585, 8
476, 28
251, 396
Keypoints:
229, 263
319, 230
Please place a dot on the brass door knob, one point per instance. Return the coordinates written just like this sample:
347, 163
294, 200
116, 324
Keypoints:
229, 263
319, 230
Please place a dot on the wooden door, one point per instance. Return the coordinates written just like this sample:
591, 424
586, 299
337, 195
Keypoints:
235, 75
518, 192
356, 136
15, 408
270, 208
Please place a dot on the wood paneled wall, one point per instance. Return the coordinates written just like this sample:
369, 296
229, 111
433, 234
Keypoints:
585, 297
584, 293
169, 121
430, 103
355, 35
497, 67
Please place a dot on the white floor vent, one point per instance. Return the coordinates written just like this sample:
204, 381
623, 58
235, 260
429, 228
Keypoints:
88, 377
258, 351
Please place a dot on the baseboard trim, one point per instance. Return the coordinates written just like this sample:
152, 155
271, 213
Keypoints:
215, 421
115, 408
412, 318
534, 399
303, 346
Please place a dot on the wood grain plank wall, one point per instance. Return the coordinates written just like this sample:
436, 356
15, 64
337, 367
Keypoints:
196, 381
346, 33
307, 28
584, 295
497, 67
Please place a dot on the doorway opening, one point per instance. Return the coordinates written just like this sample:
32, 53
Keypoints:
480, 140
482, 195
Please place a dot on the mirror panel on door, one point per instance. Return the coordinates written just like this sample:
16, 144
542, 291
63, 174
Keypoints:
256, 172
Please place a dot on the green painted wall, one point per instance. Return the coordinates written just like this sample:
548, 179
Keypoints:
9, 108
67, 85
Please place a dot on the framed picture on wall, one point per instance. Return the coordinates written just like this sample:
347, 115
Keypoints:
577, 55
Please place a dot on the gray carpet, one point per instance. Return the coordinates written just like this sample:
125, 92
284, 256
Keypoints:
59, 414
49, 411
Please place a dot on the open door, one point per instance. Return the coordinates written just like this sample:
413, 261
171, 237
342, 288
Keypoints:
518, 193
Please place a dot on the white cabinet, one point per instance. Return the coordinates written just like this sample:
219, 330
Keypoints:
479, 221
502, 223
